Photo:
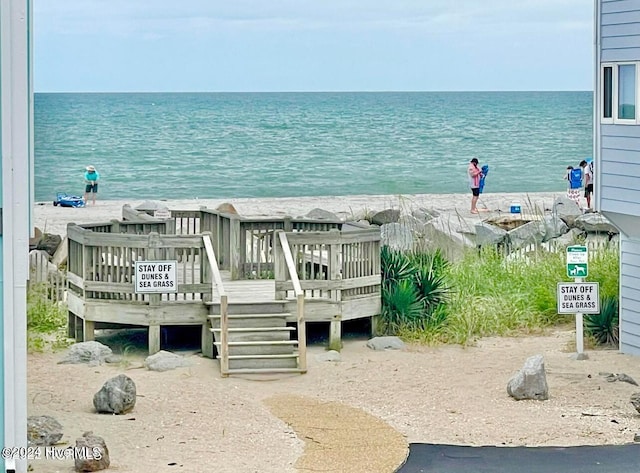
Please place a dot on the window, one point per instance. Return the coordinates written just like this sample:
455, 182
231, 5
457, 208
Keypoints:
619, 93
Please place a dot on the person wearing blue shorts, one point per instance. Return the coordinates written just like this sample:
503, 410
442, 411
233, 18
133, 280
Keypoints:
91, 177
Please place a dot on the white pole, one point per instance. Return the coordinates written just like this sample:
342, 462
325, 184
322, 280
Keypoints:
579, 329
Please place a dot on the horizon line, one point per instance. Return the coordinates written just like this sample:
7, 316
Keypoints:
300, 91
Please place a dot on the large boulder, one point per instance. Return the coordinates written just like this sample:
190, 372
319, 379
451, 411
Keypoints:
165, 361
227, 208
386, 216
489, 235
554, 227
49, 243
117, 395
530, 382
385, 343
92, 352
531, 233
43, 430
595, 223
321, 214
451, 234
97, 457
567, 209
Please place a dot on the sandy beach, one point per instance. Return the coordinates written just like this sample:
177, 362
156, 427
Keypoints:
192, 419
50, 219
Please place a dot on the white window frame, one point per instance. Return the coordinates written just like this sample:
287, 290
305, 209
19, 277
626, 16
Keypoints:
614, 91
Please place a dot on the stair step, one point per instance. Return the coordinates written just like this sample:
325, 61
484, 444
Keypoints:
255, 329
260, 343
262, 357
264, 370
251, 316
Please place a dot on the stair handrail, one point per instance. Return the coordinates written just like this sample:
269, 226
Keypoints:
224, 314
299, 293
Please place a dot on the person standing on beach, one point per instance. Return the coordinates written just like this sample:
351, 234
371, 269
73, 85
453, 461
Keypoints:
475, 173
91, 177
588, 181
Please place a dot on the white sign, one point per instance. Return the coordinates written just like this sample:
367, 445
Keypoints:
577, 254
156, 277
578, 298
163, 213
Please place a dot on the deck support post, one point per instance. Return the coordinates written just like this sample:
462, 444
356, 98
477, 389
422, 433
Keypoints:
206, 340
335, 333
71, 325
234, 248
88, 330
154, 339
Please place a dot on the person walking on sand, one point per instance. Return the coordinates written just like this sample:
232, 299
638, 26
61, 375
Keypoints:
91, 177
588, 181
475, 173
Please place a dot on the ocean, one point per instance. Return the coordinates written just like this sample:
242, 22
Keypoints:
225, 145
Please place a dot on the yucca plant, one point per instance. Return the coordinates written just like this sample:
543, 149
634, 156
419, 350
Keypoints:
395, 266
401, 306
604, 327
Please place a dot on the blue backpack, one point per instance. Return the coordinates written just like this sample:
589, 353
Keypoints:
575, 178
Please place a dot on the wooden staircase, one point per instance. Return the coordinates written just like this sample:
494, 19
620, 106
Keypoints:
258, 339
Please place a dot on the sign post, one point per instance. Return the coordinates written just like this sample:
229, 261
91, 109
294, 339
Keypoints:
578, 268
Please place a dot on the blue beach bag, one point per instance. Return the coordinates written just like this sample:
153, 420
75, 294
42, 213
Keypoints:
485, 171
66, 200
575, 178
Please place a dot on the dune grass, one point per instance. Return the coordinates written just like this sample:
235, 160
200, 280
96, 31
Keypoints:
493, 295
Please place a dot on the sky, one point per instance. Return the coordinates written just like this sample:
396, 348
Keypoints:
312, 45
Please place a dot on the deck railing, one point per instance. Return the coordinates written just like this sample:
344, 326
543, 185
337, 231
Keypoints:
332, 265
299, 295
101, 264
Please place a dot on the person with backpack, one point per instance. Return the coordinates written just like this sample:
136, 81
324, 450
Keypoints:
574, 183
588, 181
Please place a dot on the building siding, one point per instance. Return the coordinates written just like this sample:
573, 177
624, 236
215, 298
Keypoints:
630, 296
619, 171
620, 30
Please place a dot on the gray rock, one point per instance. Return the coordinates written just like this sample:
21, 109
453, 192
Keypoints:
385, 343
453, 235
412, 223
321, 214
554, 227
531, 233
530, 382
331, 355
595, 223
489, 235
43, 430
49, 243
567, 210
625, 378
165, 361
386, 216
572, 237
635, 401
150, 205
94, 353
98, 458
117, 395
396, 236
424, 215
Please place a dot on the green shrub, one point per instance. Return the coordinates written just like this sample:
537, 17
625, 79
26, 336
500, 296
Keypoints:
46, 320
603, 327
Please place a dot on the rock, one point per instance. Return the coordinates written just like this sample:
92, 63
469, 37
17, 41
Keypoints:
489, 235
320, 214
94, 353
567, 210
385, 343
531, 233
60, 256
386, 216
33, 242
97, 457
117, 395
452, 235
612, 377
396, 236
636, 437
530, 382
415, 225
554, 227
49, 243
424, 215
579, 356
595, 223
227, 208
43, 430
331, 355
150, 206
165, 361
572, 237
635, 401
625, 378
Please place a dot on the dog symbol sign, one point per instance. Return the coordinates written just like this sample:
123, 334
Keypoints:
577, 261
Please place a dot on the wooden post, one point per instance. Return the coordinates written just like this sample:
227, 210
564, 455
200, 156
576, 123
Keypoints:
302, 335
234, 248
88, 330
224, 339
335, 333
288, 224
279, 265
206, 341
154, 339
